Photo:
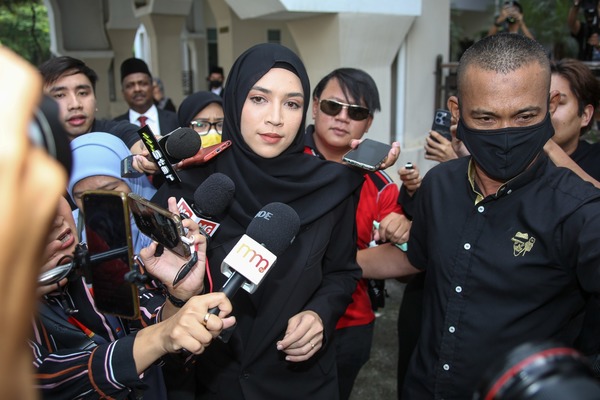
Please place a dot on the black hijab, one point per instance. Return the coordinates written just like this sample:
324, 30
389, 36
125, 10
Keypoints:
311, 186
193, 104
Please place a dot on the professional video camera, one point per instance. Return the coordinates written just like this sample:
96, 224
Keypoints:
540, 371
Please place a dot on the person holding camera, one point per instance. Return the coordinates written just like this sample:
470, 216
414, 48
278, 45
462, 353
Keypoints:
586, 32
510, 20
80, 352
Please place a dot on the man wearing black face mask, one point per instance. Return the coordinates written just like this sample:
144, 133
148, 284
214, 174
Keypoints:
508, 239
215, 80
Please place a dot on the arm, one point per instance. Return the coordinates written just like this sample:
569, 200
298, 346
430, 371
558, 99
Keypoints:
113, 369
561, 159
498, 21
385, 261
572, 18
524, 28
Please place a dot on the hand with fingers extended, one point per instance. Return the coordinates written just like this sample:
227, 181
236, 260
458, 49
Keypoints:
303, 337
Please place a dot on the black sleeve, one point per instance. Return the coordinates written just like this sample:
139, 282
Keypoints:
124, 130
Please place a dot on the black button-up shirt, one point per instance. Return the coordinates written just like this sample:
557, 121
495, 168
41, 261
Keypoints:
502, 270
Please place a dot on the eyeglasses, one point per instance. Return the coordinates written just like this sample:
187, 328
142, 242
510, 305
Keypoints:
333, 108
203, 126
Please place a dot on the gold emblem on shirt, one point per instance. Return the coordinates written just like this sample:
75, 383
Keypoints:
522, 243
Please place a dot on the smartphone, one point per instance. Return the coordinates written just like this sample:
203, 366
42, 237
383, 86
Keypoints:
127, 170
108, 231
441, 123
212, 151
204, 155
161, 225
368, 155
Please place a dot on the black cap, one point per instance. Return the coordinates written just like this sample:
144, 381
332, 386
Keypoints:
132, 66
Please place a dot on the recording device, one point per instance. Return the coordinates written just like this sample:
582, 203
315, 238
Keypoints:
589, 7
204, 155
180, 144
211, 199
127, 170
159, 224
368, 155
46, 131
107, 227
539, 371
268, 235
409, 165
441, 123
159, 154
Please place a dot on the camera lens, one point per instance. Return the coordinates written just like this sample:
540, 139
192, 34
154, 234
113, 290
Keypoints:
539, 371
46, 131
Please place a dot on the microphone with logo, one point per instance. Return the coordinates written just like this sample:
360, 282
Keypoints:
268, 235
211, 199
170, 149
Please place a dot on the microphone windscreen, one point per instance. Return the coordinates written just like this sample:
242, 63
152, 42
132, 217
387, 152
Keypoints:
183, 143
275, 227
213, 195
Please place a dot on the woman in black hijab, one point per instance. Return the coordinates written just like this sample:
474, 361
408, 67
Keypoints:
281, 347
203, 112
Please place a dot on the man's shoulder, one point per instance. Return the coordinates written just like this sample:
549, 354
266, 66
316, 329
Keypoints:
166, 114
565, 183
122, 117
124, 130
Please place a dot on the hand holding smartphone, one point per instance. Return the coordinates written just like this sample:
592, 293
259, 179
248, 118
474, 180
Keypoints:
107, 227
161, 225
441, 123
368, 155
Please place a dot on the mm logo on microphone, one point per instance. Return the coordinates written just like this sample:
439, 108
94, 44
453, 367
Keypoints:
251, 259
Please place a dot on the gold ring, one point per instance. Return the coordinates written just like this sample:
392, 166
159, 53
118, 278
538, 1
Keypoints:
205, 319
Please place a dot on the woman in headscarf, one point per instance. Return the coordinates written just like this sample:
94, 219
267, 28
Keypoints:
281, 347
203, 112
97, 160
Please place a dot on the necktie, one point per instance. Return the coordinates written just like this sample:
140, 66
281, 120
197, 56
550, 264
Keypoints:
142, 120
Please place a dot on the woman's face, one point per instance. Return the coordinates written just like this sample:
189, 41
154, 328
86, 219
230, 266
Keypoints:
272, 113
98, 182
209, 124
61, 242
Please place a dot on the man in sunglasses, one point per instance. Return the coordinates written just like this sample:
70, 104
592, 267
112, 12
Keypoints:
343, 105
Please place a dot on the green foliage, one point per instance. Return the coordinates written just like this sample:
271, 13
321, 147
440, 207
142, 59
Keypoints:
24, 28
547, 21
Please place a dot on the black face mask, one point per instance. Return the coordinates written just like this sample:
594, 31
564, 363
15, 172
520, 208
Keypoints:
504, 153
214, 84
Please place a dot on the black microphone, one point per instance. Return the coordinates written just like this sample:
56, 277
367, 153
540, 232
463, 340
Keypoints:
181, 140
211, 199
180, 144
271, 231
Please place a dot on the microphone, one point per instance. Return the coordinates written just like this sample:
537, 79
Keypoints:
180, 144
211, 199
271, 231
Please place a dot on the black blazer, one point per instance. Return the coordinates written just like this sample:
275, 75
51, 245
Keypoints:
167, 120
317, 272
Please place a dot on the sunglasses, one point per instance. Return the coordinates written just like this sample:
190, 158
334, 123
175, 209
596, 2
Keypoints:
203, 126
333, 108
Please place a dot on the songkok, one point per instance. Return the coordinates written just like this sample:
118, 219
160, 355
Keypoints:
132, 66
